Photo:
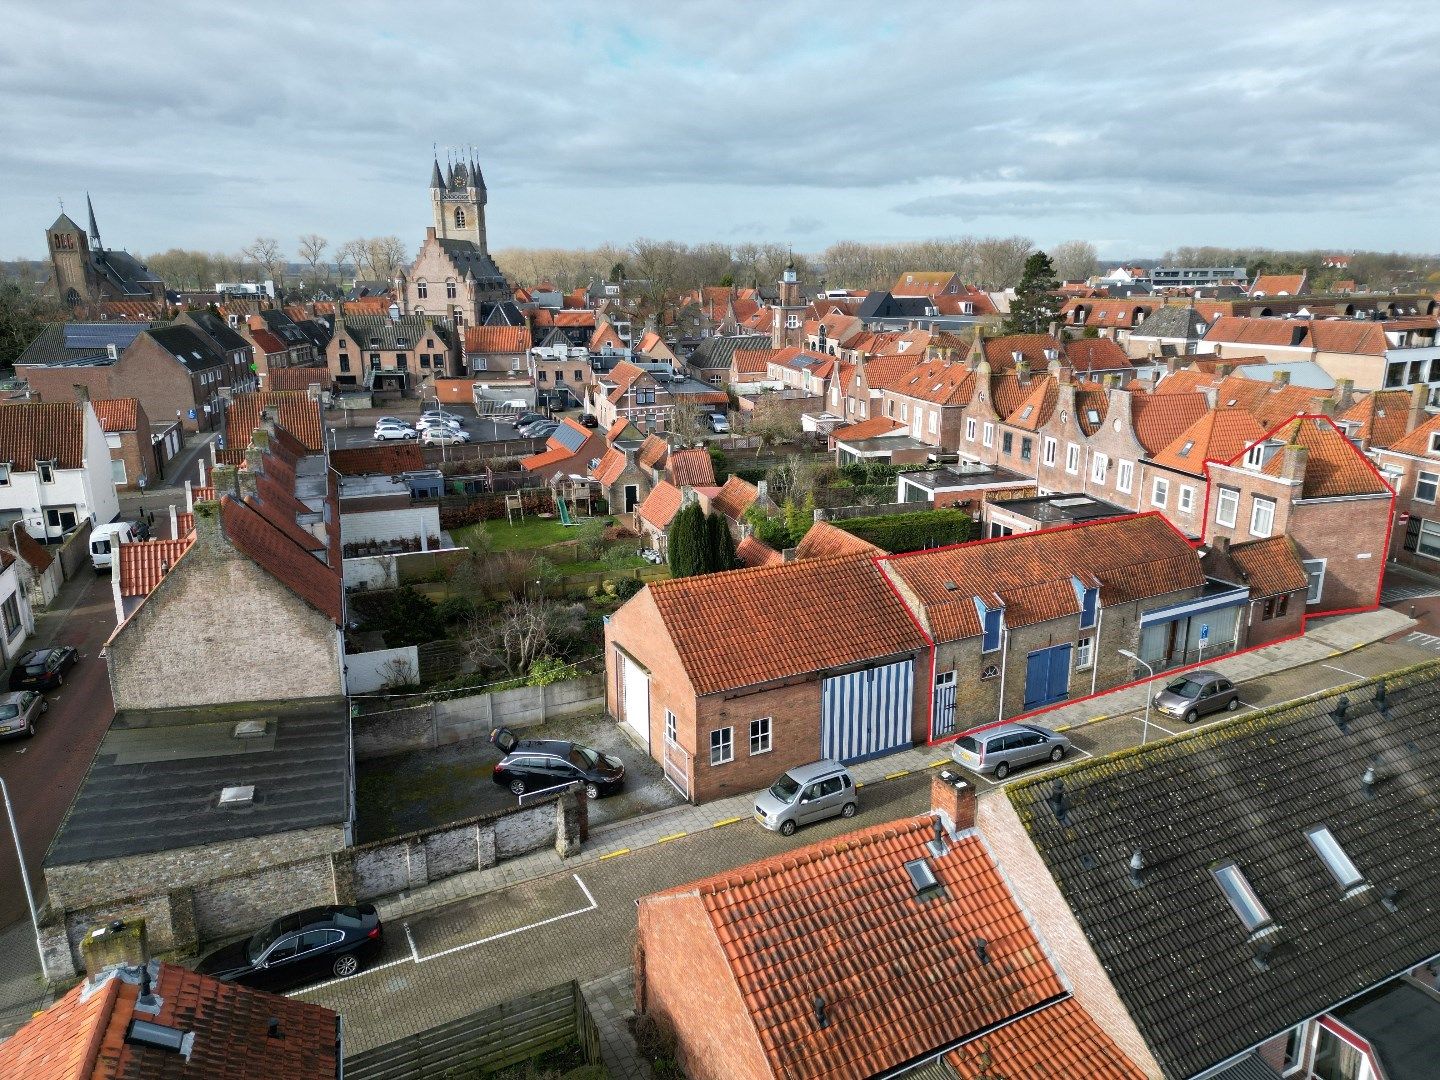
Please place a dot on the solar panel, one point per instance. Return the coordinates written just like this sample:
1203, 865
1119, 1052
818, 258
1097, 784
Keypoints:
99, 335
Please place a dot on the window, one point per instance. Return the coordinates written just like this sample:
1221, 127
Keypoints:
1426, 538
1026, 448
449, 290
1187, 498
1262, 517
1315, 571
422, 290
1426, 484
344, 362
1255, 456
1098, 464
1294, 1049
989, 437
760, 736
792, 322
1268, 612
1072, 458
12, 616
1007, 442
931, 423
46, 469
1334, 857
1160, 494
991, 622
117, 471
1084, 653
1237, 890
5, 475
1124, 476
112, 441
1282, 605
722, 746
1047, 452
1089, 599
1227, 504
970, 429
670, 727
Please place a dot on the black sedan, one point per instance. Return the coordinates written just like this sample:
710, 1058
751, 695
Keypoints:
303, 947
537, 764
43, 669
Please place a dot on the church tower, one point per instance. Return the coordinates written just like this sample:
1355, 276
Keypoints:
788, 325
70, 261
459, 198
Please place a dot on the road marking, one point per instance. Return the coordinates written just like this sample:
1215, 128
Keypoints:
667, 839
937, 763
1080, 750
897, 775
613, 854
591, 905
414, 952
1246, 705
352, 978
1342, 671
725, 821
1166, 730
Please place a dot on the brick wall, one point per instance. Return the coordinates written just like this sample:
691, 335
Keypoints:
237, 904
683, 981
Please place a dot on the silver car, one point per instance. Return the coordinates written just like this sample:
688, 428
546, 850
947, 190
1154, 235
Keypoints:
19, 711
1196, 694
995, 751
814, 792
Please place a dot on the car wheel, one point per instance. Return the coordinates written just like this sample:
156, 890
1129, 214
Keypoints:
1191, 716
59, 680
1234, 704
787, 829
592, 791
849, 810
345, 965
1002, 770
1057, 753
517, 787
44, 705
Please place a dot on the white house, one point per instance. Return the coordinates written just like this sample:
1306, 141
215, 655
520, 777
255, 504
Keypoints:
17, 622
54, 468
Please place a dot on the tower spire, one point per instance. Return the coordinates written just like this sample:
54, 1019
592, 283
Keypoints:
436, 180
94, 228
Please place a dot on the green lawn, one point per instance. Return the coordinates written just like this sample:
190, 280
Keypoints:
528, 535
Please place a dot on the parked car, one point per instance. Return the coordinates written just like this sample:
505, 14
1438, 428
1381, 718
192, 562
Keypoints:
527, 418
390, 433
1196, 694
317, 943
104, 539
425, 423
718, 423
536, 764
807, 793
43, 669
534, 425
397, 421
590, 420
19, 711
542, 431
441, 436
998, 750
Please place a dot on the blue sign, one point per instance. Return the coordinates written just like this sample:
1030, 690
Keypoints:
192, 414
1204, 633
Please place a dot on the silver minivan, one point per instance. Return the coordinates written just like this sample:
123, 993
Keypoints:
807, 793
997, 750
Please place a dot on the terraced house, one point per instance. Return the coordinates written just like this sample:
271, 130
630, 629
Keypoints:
378, 353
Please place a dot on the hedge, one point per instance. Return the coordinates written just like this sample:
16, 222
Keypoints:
898, 533
480, 508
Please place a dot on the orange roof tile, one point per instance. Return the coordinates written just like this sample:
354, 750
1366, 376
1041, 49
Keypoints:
1007, 393
840, 920
1035, 409
661, 505
752, 361
497, 339
823, 540
42, 431
938, 382
1059, 1040
869, 429
752, 552
548, 317
1333, 466
692, 467
1217, 436
388, 460
296, 378
295, 411
184, 522
609, 468
885, 371
1000, 351
1271, 566
144, 563
1160, 419
1417, 443
275, 552
1129, 558
546, 459
1278, 284
1091, 405
1241, 330
652, 452
745, 627
734, 498
1382, 416
117, 414
1097, 354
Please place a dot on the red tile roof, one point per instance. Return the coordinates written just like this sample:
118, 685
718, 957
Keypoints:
745, 627
1040, 403
1382, 416
548, 458
42, 431
1217, 436
734, 498
1129, 558
616, 429
548, 317
1241, 330
1097, 354
296, 378
823, 540
886, 370
1278, 284
278, 554
82, 1036
32, 551
692, 467
1417, 443
295, 411
1000, 351
497, 339
1271, 566
898, 975
869, 429
1160, 419
938, 382
1333, 466
752, 552
652, 452
661, 505
144, 563
608, 469
387, 460
184, 522
1061, 1040
117, 414
752, 361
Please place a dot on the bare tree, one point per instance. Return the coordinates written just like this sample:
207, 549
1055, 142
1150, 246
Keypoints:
383, 256
352, 254
264, 252
773, 420
397, 673
312, 250
1074, 260
1000, 262
524, 631
685, 423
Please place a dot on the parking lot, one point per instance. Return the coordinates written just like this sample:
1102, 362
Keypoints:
357, 428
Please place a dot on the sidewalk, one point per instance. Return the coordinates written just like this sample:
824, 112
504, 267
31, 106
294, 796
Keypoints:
1330, 637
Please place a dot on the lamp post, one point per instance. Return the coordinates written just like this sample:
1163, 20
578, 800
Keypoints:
1149, 693
24, 877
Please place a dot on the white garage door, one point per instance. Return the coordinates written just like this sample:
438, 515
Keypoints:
867, 713
636, 699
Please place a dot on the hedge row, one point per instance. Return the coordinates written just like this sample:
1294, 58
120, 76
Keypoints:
898, 533
492, 507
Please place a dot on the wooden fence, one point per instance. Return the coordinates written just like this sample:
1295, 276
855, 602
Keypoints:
486, 1041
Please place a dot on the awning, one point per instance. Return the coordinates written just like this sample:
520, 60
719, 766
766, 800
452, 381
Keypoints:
1198, 606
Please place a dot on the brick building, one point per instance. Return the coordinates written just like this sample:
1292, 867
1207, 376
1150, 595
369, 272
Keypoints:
380, 353
1411, 465
133, 452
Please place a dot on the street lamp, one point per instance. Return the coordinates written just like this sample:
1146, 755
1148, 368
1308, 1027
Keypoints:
24, 877
1149, 693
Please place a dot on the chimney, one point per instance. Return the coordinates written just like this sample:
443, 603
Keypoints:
1054, 329
762, 490
114, 945
82, 392
1172, 364
1419, 398
1280, 378
1292, 465
223, 478
1220, 544
1022, 370
1344, 394
174, 525
954, 797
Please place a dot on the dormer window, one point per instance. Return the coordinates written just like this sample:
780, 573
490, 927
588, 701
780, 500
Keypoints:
1255, 456
992, 622
1088, 598
1435, 442
46, 471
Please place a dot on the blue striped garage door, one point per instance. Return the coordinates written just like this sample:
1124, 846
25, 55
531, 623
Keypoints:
867, 713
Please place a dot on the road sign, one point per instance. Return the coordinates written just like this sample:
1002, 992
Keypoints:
1204, 633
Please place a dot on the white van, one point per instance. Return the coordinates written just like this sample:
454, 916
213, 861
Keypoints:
104, 539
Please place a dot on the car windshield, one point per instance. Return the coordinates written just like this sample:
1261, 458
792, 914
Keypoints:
262, 940
968, 742
1186, 688
9, 712
100, 547
35, 669
785, 788
582, 757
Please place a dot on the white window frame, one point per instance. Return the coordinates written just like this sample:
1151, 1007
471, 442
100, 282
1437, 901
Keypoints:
989, 434
1429, 478
1072, 458
1255, 456
1160, 492
1047, 451
45, 472
932, 422
1098, 464
1186, 502
970, 429
762, 735
1124, 476
1084, 653
722, 749
1317, 587
670, 732
1433, 539
4, 474
1258, 502
117, 472
1222, 503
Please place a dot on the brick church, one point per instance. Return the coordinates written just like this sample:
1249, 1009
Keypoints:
83, 272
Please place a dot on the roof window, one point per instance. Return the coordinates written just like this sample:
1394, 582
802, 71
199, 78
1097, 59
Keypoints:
1093, 416
1025, 412
1185, 450
922, 879
160, 1036
1237, 890
1345, 873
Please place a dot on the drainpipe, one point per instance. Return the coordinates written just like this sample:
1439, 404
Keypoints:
1095, 646
1004, 656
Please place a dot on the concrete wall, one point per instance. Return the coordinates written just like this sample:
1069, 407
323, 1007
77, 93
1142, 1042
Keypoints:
408, 524
460, 719
402, 568
366, 672
74, 554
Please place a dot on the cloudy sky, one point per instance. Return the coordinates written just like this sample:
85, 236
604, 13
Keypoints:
1139, 125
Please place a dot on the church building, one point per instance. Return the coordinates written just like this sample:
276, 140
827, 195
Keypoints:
83, 272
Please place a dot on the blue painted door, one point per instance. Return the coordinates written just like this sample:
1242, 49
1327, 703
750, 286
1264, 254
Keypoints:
1047, 676
867, 713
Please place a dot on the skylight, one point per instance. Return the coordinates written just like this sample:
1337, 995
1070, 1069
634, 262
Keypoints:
1334, 857
1025, 412
1185, 450
922, 878
1237, 890
1092, 416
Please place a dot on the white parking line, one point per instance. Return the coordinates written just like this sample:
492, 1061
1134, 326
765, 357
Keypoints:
1245, 705
1157, 727
352, 978
414, 952
590, 906
1342, 671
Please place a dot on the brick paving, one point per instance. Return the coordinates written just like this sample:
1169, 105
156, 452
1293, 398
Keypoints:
611, 999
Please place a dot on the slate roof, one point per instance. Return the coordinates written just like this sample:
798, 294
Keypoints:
712, 620
1334, 466
157, 775
1244, 790
413, 330
194, 350
1184, 323
900, 976
82, 1036
470, 258
33, 431
1030, 574
219, 330
718, 352
59, 343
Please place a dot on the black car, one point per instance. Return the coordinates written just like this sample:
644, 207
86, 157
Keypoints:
536, 764
303, 947
43, 669
590, 420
